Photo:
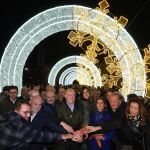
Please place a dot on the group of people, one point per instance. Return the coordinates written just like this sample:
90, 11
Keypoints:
70, 118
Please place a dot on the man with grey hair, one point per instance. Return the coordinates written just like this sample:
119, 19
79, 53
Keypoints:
49, 107
71, 112
117, 110
42, 121
33, 93
50, 88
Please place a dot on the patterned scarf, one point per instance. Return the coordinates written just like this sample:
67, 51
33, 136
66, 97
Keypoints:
134, 120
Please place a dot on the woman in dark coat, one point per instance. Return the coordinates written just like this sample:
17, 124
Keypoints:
136, 125
88, 103
100, 141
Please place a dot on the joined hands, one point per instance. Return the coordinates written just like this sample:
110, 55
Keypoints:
77, 136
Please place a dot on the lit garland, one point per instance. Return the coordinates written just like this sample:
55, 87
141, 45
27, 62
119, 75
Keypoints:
86, 80
95, 74
114, 43
72, 76
79, 18
147, 68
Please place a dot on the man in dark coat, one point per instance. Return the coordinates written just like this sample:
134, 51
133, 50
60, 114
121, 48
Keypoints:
42, 121
117, 110
17, 134
4, 93
9, 102
49, 107
72, 113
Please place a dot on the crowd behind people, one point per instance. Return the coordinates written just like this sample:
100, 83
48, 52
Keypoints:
73, 117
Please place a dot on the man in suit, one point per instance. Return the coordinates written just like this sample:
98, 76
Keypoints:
50, 107
4, 93
117, 110
9, 102
42, 121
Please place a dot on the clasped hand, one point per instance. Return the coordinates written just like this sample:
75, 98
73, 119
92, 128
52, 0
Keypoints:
77, 136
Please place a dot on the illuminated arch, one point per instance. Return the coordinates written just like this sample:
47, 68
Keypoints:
77, 60
70, 18
80, 71
72, 76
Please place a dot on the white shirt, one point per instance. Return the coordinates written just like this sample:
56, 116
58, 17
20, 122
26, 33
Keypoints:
13, 101
32, 116
71, 106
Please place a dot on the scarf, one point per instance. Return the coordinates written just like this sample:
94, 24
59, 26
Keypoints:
134, 120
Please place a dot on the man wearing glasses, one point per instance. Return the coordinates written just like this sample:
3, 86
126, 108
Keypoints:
16, 133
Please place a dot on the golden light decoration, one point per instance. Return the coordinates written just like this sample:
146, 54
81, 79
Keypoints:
117, 48
147, 69
147, 55
113, 65
122, 20
93, 50
111, 80
103, 6
148, 88
76, 38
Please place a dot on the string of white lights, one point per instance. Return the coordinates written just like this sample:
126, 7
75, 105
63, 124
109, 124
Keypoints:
72, 76
85, 81
75, 60
71, 18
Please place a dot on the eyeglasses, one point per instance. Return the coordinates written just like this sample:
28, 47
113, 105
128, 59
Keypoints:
26, 112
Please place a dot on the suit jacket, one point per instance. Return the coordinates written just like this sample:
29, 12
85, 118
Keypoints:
2, 96
24, 98
51, 111
42, 122
7, 105
116, 122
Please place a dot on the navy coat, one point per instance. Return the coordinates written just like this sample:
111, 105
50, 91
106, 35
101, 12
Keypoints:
96, 119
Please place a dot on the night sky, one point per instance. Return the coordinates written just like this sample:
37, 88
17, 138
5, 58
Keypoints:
14, 13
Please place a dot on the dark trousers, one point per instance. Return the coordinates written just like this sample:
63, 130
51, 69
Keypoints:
120, 146
68, 145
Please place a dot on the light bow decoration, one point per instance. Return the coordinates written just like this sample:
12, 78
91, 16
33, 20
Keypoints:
147, 68
94, 48
107, 31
